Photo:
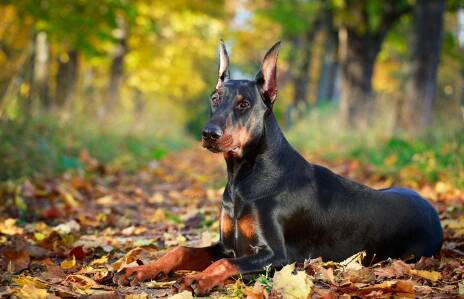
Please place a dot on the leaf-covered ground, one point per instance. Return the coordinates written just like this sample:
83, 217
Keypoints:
65, 236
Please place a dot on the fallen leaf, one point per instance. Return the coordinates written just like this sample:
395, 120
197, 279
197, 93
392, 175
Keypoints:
99, 261
69, 263
18, 259
68, 198
258, 291
354, 262
81, 283
77, 252
291, 285
397, 268
128, 258
430, 275
68, 227
30, 291
22, 280
183, 295
326, 275
8, 227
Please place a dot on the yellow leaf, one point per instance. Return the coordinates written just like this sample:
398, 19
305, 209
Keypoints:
105, 200
291, 285
81, 283
67, 197
39, 236
22, 280
159, 215
430, 275
130, 257
30, 291
183, 295
8, 227
69, 263
99, 261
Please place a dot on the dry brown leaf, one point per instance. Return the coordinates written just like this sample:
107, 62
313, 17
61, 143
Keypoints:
16, 260
354, 262
326, 275
397, 269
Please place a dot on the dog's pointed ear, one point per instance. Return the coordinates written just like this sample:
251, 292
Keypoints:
266, 78
224, 73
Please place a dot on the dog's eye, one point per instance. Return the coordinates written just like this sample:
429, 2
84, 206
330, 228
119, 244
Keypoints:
243, 104
215, 100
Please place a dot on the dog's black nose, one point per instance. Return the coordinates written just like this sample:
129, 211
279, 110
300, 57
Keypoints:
213, 132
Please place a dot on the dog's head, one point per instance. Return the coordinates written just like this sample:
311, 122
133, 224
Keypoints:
238, 107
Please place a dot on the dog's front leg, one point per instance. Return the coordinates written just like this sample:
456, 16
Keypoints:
180, 258
220, 271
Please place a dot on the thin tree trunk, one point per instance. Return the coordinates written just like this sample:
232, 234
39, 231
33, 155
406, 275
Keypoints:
117, 67
30, 71
66, 78
292, 62
416, 113
329, 68
357, 58
301, 80
41, 71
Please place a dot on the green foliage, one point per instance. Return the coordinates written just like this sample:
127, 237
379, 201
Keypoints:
437, 155
294, 17
46, 146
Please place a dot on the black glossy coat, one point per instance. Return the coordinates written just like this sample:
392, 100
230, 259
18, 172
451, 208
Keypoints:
303, 210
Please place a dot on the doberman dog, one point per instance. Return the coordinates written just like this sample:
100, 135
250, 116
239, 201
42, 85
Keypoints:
277, 208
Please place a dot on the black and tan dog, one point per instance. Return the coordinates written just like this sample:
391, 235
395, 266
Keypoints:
278, 208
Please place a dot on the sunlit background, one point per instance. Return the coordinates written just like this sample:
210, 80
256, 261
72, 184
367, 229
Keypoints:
127, 82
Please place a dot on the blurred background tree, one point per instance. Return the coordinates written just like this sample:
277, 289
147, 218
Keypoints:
129, 80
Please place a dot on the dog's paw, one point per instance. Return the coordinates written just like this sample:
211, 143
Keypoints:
200, 284
134, 275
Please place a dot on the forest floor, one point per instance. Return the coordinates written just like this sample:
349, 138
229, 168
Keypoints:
65, 236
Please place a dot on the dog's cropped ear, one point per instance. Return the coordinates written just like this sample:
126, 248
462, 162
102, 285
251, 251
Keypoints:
224, 73
266, 78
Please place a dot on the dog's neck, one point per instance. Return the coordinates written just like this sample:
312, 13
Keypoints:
262, 149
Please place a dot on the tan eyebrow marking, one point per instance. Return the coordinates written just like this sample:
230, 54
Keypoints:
239, 98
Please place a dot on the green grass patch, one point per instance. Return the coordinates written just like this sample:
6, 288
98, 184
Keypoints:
436, 155
46, 145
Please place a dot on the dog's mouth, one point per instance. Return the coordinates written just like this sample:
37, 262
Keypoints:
217, 147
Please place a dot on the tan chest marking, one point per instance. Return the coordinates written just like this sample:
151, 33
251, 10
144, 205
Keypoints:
226, 224
247, 226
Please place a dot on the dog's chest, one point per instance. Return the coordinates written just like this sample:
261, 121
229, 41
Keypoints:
239, 227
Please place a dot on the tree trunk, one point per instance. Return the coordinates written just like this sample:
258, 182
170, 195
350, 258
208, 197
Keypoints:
357, 58
417, 110
41, 71
117, 70
30, 71
66, 78
329, 68
301, 79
